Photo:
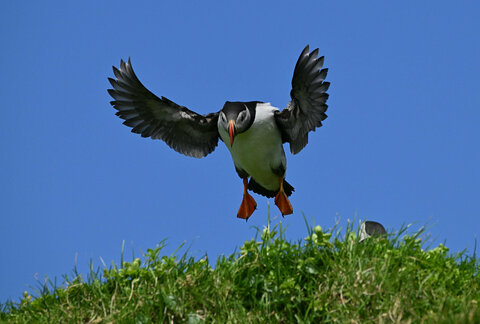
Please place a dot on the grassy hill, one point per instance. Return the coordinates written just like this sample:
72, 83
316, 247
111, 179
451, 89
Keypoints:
327, 277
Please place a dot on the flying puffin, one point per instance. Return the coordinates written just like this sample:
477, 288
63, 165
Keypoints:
252, 131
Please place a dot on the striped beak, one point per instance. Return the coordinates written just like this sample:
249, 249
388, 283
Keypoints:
231, 131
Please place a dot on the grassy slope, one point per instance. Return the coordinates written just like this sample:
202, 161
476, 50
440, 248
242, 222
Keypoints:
320, 279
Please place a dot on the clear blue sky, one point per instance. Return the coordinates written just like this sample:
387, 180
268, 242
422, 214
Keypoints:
401, 144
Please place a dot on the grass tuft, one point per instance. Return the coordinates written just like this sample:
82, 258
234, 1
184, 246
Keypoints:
326, 277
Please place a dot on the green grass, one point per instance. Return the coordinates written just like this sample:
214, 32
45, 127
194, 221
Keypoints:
327, 277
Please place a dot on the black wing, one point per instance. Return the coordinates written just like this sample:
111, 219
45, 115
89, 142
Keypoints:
159, 118
307, 108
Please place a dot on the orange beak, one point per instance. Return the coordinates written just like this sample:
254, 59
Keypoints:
231, 131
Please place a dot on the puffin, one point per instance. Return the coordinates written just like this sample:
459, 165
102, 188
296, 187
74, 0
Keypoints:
254, 132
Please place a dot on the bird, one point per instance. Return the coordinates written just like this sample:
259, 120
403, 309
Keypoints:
254, 132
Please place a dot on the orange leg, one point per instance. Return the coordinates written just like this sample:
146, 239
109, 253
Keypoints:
248, 205
282, 202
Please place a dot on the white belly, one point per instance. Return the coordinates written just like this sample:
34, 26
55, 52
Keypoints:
259, 150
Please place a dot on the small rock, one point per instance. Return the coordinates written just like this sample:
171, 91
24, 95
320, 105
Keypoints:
370, 228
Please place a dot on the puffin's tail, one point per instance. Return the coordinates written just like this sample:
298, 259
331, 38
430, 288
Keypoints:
256, 188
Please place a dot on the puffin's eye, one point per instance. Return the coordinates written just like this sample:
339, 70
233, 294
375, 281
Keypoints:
223, 117
241, 116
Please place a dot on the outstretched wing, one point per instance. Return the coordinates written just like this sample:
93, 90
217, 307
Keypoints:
159, 118
307, 108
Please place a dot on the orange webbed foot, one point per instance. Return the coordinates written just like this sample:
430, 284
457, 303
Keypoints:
247, 207
282, 202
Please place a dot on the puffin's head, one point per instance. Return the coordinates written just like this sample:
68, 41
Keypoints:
236, 118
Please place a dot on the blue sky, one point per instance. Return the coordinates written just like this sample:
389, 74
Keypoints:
401, 144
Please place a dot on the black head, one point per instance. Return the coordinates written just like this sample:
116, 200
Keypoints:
236, 117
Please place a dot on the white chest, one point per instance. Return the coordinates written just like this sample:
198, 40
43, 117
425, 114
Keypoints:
259, 149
